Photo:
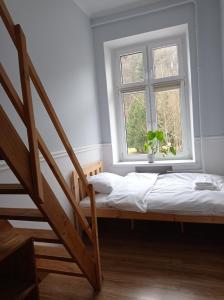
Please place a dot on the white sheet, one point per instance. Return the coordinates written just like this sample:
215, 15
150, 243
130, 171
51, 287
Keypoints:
175, 193
172, 193
133, 192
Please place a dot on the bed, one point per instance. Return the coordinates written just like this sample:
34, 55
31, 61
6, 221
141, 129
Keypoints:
167, 200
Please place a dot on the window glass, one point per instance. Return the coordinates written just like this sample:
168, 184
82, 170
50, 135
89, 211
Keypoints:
132, 68
165, 62
169, 115
135, 121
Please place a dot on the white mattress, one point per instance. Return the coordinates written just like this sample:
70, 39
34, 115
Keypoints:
175, 194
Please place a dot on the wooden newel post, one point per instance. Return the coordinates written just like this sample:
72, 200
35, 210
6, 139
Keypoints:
95, 236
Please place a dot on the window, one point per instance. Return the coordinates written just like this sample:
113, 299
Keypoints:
152, 93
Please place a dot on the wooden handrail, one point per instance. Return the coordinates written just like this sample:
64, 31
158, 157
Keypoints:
18, 160
8, 21
27, 72
54, 118
29, 113
17, 103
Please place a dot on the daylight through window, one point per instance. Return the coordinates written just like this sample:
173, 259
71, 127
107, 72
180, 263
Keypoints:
152, 89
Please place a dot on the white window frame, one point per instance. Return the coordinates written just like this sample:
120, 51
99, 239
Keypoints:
147, 87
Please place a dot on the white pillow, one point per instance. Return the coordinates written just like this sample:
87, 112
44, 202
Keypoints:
104, 182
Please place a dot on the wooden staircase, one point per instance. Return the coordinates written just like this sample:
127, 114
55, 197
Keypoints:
74, 255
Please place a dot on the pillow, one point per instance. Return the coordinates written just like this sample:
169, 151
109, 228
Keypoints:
104, 182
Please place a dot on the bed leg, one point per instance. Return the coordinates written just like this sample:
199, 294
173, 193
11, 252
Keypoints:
182, 227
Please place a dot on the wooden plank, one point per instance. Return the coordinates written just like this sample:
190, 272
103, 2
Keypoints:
46, 101
155, 267
55, 120
12, 189
18, 160
88, 170
118, 214
58, 267
5, 226
95, 236
29, 113
16, 102
21, 214
39, 235
70, 196
52, 253
5, 15
10, 241
11, 93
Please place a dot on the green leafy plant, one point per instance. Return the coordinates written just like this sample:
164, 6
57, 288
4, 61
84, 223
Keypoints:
156, 142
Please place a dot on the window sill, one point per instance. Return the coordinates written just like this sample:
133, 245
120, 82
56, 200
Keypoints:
188, 162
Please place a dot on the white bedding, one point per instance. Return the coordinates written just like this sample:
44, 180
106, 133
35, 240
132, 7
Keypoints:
169, 193
133, 193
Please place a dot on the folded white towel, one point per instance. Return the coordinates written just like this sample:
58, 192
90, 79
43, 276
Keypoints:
204, 188
205, 183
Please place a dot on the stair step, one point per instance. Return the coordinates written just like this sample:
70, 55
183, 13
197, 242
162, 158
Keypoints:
53, 253
12, 189
58, 267
39, 235
5, 226
27, 214
10, 240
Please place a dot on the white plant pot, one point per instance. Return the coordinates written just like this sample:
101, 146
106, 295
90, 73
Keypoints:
151, 158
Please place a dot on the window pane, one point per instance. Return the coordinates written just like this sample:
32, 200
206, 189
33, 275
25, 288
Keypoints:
135, 121
132, 69
169, 116
165, 61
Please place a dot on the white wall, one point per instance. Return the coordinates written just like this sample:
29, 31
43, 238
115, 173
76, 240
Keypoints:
222, 34
203, 19
59, 41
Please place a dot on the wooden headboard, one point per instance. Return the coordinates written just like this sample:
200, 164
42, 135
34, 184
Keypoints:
89, 170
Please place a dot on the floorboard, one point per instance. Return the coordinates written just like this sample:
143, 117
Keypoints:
148, 265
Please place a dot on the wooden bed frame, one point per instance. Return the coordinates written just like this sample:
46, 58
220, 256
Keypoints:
96, 168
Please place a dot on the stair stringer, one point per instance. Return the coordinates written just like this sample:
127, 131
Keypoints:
16, 154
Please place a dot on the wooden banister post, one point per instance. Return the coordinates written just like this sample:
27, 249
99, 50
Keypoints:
29, 113
95, 237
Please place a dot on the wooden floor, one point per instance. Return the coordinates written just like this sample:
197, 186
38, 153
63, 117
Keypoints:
149, 265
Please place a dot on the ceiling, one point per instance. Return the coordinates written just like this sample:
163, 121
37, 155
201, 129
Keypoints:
98, 8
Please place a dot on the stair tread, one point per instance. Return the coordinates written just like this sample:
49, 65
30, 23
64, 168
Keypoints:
39, 235
28, 214
58, 267
12, 188
54, 253
10, 240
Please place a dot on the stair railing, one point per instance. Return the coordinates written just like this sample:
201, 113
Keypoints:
36, 143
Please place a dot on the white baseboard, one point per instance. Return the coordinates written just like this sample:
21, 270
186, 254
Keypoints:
81, 152
212, 154
86, 155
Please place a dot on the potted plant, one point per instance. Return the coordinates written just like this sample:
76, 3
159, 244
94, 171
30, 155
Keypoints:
156, 142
